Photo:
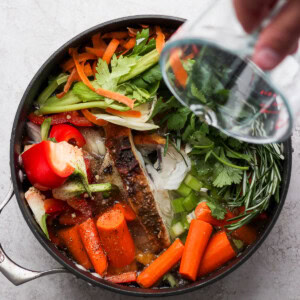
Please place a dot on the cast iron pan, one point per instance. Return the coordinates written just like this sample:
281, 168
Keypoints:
17, 274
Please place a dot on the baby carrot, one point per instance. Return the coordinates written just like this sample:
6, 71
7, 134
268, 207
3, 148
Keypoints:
91, 241
218, 252
110, 50
72, 241
127, 211
115, 238
161, 265
196, 242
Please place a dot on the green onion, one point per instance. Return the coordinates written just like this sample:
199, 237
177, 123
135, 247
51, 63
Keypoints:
45, 127
184, 190
190, 202
177, 205
193, 183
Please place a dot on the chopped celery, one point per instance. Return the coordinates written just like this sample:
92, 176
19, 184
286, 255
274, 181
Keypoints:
184, 190
45, 129
193, 183
238, 244
176, 218
184, 222
191, 216
177, 205
170, 279
190, 202
69, 98
176, 230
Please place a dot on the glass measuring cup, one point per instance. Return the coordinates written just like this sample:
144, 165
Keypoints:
207, 66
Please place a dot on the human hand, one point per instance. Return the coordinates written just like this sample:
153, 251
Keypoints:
279, 38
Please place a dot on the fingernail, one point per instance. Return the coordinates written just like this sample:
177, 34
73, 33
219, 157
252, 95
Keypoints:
266, 58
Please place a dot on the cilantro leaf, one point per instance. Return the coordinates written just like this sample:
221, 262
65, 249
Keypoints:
177, 120
217, 210
162, 106
198, 138
225, 175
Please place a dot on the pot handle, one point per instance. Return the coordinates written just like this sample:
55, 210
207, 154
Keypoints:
12, 271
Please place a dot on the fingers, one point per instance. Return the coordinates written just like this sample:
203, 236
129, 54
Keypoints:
250, 13
279, 38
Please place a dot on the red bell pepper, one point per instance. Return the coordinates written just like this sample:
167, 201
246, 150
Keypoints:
72, 117
54, 206
64, 132
81, 205
88, 170
48, 164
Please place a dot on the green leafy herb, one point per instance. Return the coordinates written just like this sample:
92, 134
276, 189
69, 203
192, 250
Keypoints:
85, 93
225, 175
177, 120
217, 210
141, 41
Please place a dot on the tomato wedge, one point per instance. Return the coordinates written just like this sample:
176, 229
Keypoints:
64, 132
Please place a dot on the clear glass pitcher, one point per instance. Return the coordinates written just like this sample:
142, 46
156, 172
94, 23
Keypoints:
207, 66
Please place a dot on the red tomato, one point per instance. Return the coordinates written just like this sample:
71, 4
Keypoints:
64, 132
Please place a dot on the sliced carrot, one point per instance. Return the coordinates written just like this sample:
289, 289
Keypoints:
122, 278
71, 79
91, 241
127, 211
72, 218
203, 213
161, 265
116, 96
96, 51
88, 70
116, 35
130, 44
96, 40
196, 242
72, 241
110, 50
115, 238
218, 252
160, 39
80, 70
128, 113
94, 68
177, 67
246, 233
89, 116
82, 57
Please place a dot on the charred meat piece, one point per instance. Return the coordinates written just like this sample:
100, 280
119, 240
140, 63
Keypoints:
137, 184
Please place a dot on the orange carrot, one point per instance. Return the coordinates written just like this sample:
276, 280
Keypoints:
128, 113
96, 40
116, 96
130, 44
149, 139
115, 35
177, 67
160, 39
161, 265
91, 241
203, 213
246, 233
82, 57
94, 68
132, 31
71, 240
80, 70
96, 51
218, 252
89, 116
115, 238
127, 211
71, 79
88, 70
122, 278
110, 50
196, 242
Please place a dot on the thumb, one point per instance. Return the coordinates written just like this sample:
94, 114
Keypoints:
279, 38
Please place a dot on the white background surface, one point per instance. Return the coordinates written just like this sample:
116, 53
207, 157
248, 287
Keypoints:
30, 31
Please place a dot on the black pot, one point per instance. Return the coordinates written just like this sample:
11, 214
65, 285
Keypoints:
20, 275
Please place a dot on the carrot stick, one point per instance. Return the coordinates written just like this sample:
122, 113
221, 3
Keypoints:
160, 39
110, 50
196, 242
246, 233
96, 51
88, 70
96, 40
161, 265
91, 241
177, 67
115, 35
130, 44
128, 113
127, 211
203, 213
89, 116
122, 278
218, 252
68, 84
116, 96
71, 239
80, 70
82, 57
115, 238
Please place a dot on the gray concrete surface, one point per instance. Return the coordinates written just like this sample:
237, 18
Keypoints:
30, 30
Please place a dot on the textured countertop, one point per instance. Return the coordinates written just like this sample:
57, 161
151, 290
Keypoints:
30, 31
